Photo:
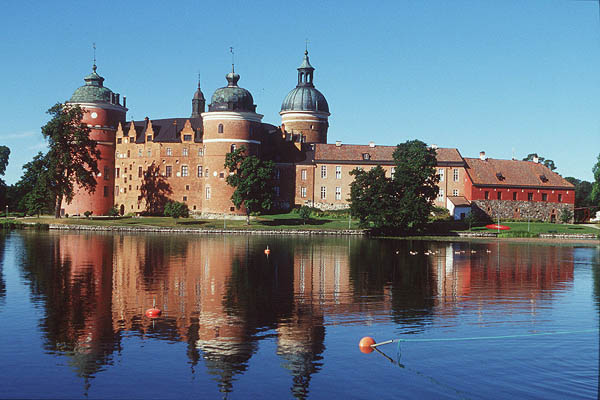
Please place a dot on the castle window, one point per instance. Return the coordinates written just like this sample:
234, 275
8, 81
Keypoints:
184, 152
324, 171
323, 192
366, 156
455, 175
129, 187
187, 138
338, 172
544, 196
140, 152
184, 170
149, 138
486, 195
530, 196
200, 152
499, 195
441, 174
169, 151
276, 189
221, 175
303, 192
117, 172
220, 129
338, 193
232, 149
128, 153
277, 173
184, 198
149, 153
106, 173
105, 191
116, 190
168, 171
441, 195
206, 172
455, 192
560, 198
187, 187
119, 140
199, 171
303, 174
207, 193
140, 171
514, 195
393, 172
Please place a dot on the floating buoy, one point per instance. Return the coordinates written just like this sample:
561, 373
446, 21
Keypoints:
267, 251
153, 312
365, 344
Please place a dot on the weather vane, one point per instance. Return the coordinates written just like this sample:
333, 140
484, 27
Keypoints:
232, 60
306, 45
94, 46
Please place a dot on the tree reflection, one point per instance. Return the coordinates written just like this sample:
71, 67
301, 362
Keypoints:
3, 235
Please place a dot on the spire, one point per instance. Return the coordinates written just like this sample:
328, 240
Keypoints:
198, 102
305, 71
94, 66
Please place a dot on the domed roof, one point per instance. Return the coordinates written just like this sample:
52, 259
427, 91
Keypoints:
304, 97
232, 97
93, 91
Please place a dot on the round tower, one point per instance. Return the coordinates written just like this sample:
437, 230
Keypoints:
304, 111
103, 112
231, 122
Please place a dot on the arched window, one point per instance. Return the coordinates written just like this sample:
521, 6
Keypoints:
220, 128
232, 148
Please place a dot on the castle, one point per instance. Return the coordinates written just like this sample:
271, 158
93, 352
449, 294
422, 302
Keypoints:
183, 158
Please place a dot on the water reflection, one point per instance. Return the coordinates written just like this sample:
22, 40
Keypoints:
222, 295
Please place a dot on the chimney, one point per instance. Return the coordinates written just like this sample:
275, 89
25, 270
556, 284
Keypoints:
338, 143
482, 156
371, 144
124, 101
118, 95
536, 159
434, 146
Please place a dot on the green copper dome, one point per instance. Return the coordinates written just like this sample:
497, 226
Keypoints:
93, 91
304, 97
232, 97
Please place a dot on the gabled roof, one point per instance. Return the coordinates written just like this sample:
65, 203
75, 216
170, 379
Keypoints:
459, 201
513, 173
355, 153
166, 130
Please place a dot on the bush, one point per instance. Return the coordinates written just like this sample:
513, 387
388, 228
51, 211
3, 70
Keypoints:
304, 213
518, 234
176, 209
87, 214
566, 216
113, 212
440, 214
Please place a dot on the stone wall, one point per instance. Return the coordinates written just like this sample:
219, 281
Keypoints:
521, 210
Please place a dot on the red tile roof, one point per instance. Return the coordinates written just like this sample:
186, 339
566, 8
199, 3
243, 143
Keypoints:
493, 172
378, 154
459, 201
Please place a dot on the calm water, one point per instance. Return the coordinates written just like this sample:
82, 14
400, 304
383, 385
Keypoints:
239, 324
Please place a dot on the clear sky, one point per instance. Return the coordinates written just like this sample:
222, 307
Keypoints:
509, 77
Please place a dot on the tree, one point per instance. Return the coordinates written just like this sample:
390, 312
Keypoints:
252, 179
304, 213
154, 190
566, 216
72, 155
373, 199
548, 163
176, 209
402, 203
33, 192
595, 195
4, 153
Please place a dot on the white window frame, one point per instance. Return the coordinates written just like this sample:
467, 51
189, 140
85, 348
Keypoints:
440, 195
169, 151
338, 193
455, 175
323, 192
441, 174
303, 174
323, 171
184, 152
184, 170
200, 170
455, 192
338, 172
207, 192
303, 192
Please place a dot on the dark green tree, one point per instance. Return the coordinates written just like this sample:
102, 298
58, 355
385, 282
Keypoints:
595, 195
304, 214
402, 203
72, 155
32, 193
373, 199
548, 163
4, 153
252, 179
415, 180
176, 209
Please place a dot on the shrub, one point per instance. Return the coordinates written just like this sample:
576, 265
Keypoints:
87, 214
176, 209
304, 213
113, 212
566, 216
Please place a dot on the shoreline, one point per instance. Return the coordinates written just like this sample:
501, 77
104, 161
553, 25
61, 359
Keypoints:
458, 236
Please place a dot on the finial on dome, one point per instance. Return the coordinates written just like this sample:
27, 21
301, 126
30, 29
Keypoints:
232, 60
198, 80
94, 66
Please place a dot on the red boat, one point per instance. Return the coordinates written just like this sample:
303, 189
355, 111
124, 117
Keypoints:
498, 227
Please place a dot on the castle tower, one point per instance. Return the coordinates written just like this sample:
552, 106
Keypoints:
103, 112
304, 111
231, 122
198, 102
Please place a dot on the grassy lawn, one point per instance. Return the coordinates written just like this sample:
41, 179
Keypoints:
542, 227
265, 222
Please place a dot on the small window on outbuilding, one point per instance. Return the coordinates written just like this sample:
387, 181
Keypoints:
220, 128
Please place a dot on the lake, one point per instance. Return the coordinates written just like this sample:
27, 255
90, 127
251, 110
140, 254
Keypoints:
477, 320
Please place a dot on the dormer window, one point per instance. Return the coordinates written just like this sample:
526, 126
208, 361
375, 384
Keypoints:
543, 178
149, 138
187, 138
500, 176
366, 156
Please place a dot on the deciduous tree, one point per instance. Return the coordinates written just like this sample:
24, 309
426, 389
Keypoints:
548, 163
155, 190
72, 155
4, 154
252, 179
595, 195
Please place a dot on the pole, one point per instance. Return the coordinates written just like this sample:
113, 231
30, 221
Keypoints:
7, 211
349, 220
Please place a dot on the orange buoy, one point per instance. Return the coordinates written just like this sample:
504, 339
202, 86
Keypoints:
267, 251
153, 312
365, 344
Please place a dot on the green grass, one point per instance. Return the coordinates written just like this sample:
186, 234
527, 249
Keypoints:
542, 227
288, 221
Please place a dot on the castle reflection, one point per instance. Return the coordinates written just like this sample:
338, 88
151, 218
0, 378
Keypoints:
222, 295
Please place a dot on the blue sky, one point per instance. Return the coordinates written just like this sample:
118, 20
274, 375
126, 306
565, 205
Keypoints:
509, 77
